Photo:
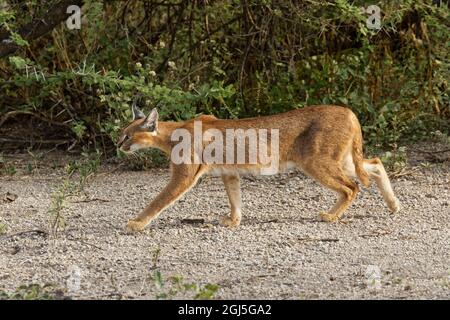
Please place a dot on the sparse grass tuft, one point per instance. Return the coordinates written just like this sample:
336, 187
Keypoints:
396, 159
6, 167
33, 292
173, 286
59, 197
3, 228
69, 186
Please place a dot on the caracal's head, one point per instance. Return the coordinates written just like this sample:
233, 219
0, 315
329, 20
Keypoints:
141, 132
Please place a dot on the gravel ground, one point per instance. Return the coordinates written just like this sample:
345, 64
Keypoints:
280, 251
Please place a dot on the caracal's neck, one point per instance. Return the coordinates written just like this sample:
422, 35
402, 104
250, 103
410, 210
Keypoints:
162, 140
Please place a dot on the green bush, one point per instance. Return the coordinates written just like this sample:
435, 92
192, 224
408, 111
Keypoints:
231, 59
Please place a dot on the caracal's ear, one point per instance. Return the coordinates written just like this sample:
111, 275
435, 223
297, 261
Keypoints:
137, 113
151, 121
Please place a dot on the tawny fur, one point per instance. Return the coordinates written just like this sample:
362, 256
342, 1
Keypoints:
325, 142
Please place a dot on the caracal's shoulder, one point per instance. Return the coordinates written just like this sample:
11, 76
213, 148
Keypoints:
206, 118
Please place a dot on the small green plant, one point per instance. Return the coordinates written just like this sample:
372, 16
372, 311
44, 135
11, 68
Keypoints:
396, 159
6, 167
3, 228
31, 167
172, 286
79, 129
207, 292
85, 168
441, 137
11, 170
32, 292
59, 197
89, 166
155, 258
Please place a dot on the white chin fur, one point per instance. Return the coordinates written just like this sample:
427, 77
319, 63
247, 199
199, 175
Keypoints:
135, 147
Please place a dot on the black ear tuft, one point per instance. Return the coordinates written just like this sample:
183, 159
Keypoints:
151, 121
137, 113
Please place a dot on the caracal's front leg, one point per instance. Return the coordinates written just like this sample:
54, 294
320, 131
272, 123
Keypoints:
233, 188
184, 177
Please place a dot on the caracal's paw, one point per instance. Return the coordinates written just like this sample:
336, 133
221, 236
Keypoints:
394, 205
135, 225
230, 223
326, 217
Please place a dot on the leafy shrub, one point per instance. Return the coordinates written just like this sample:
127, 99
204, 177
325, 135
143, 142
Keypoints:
230, 59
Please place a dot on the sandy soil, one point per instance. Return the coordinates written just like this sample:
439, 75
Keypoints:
280, 251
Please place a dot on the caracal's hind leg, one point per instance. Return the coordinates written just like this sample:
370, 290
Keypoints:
233, 188
376, 171
332, 176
